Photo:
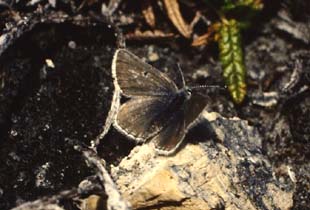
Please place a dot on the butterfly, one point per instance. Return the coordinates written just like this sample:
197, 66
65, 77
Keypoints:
157, 110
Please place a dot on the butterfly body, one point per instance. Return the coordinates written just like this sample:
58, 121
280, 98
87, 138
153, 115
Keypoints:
156, 109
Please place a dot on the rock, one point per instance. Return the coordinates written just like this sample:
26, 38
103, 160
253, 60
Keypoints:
93, 202
231, 174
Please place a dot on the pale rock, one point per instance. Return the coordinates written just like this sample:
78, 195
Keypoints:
230, 174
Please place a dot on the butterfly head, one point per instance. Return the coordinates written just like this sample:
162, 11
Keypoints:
188, 92
185, 92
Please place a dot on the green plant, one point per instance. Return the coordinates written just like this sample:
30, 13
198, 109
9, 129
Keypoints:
231, 57
228, 36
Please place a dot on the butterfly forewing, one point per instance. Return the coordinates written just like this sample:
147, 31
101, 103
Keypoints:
193, 108
137, 78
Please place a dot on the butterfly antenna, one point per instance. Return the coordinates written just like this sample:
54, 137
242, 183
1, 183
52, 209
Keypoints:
208, 86
181, 74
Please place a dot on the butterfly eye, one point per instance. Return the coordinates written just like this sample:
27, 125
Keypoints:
145, 73
189, 91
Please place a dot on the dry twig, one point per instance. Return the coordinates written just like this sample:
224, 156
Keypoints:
173, 10
147, 35
115, 200
148, 13
205, 38
48, 203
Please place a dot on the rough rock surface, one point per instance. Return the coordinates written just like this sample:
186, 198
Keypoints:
229, 175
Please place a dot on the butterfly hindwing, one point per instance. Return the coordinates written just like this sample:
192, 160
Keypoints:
169, 139
142, 117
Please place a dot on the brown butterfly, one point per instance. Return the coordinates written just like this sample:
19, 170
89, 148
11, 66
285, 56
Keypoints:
157, 110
